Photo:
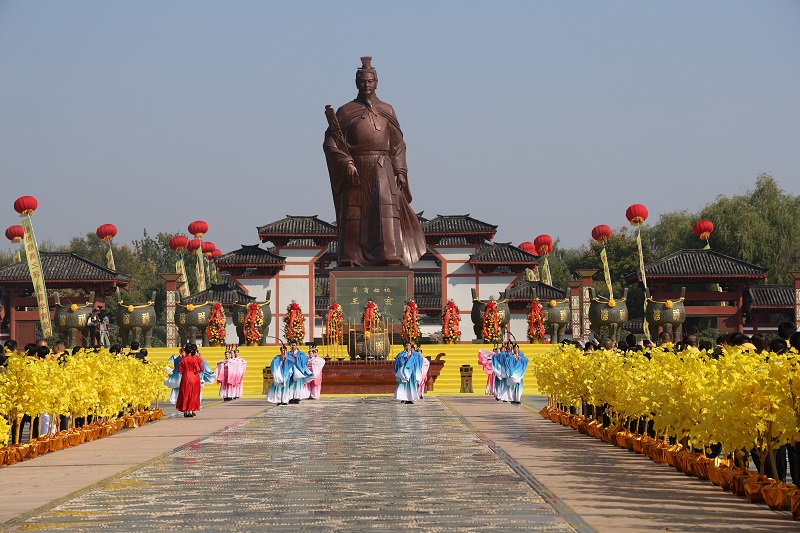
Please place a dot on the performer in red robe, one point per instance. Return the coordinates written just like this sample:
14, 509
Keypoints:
189, 394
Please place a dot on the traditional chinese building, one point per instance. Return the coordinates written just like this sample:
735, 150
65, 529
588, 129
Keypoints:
75, 277
461, 256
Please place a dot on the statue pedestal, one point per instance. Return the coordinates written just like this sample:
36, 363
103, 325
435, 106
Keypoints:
388, 287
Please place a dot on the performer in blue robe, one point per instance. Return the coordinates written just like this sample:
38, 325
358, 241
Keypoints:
499, 369
282, 367
173, 380
408, 371
300, 374
516, 363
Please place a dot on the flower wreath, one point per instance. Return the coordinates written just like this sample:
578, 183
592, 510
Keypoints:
253, 324
372, 317
491, 323
216, 324
334, 323
535, 322
451, 331
294, 327
411, 322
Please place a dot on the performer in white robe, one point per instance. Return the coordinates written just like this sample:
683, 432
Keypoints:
300, 375
499, 369
516, 364
282, 367
315, 364
408, 371
173, 380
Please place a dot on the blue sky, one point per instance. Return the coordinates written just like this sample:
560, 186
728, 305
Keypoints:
539, 117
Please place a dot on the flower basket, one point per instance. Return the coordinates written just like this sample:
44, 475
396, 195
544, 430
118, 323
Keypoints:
216, 325
130, 421
794, 504
535, 323
119, 423
3, 455
753, 486
738, 480
105, 430
253, 325
575, 421
75, 437
451, 320
583, 426
545, 412
563, 419
555, 416
776, 495
490, 328
700, 467
294, 328
669, 455
409, 328
31, 450
593, 428
720, 475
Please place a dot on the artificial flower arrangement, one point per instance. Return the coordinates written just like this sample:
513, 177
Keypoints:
371, 319
96, 384
334, 324
451, 319
536, 329
411, 322
216, 325
253, 325
490, 330
294, 327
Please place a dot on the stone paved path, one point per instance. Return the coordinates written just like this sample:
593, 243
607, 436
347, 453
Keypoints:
339, 464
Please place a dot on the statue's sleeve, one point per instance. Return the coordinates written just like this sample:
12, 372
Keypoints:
397, 146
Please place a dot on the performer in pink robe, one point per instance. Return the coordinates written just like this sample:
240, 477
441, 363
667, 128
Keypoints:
426, 364
236, 369
315, 364
485, 360
223, 370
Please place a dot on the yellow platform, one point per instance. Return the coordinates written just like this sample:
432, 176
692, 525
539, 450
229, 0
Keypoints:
448, 382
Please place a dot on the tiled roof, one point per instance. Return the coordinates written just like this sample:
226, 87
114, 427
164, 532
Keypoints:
63, 266
298, 226
770, 296
251, 256
427, 283
503, 253
528, 290
323, 283
450, 225
226, 293
702, 264
429, 303
333, 246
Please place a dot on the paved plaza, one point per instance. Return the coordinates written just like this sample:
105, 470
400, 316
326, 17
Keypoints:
364, 463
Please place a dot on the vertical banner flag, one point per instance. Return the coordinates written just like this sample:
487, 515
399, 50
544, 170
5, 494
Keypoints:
607, 272
110, 258
200, 271
209, 278
17, 257
180, 268
547, 279
645, 325
35, 268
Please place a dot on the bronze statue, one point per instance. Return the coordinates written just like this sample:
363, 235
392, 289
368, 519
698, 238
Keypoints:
366, 159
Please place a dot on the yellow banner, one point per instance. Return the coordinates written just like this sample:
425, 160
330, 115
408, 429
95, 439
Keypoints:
37, 277
200, 271
110, 258
607, 272
180, 268
645, 325
547, 279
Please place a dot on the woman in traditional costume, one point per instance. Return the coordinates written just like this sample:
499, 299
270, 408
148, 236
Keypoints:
516, 364
408, 371
190, 367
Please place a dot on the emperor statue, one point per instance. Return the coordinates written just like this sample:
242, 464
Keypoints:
366, 158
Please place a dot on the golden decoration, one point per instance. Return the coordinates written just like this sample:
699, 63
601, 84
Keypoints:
553, 303
612, 303
668, 304
73, 307
190, 308
130, 309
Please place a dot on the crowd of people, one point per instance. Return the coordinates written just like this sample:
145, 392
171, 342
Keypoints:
296, 375
505, 369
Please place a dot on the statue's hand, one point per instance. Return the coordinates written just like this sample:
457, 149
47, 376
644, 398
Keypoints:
402, 182
352, 172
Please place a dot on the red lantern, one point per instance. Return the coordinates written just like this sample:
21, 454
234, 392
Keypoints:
15, 233
26, 205
601, 233
216, 254
208, 248
543, 244
198, 228
703, 228
528, 247
106, 232
636, 214
194, 245
178, 243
